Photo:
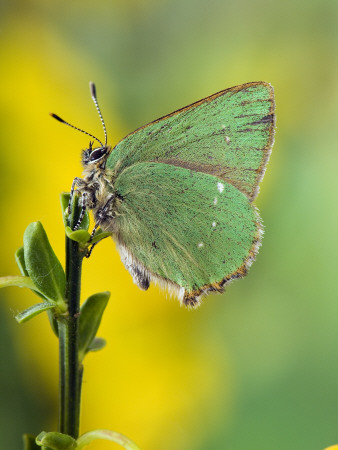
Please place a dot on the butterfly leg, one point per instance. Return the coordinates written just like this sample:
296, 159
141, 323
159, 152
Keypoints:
92, 247
101, 215
83, 210
76, 181
84, 202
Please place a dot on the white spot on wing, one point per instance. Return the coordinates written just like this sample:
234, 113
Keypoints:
227, 139
220, 187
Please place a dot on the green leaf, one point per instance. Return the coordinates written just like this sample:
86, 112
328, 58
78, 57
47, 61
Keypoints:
18, 281
64, 199
33, 311
90, 318
42, 265
56, 441
20, 260
29, 442
81, 236
76, 210
107, 435
97, 344
99, 235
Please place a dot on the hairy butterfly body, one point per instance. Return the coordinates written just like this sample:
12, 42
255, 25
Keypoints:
177, 193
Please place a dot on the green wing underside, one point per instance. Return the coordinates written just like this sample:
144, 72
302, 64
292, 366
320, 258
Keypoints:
228, 135
186, 227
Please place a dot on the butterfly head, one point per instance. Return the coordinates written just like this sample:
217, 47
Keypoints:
94, 155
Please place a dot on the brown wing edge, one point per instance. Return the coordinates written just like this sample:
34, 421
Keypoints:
191, 299
233, 89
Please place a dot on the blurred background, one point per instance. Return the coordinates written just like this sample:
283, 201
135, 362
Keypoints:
253, 368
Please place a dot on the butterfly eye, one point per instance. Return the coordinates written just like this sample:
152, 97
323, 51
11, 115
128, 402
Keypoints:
97, 154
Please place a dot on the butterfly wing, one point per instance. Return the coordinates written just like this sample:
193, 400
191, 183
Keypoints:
185, 184
187, 229
228, 135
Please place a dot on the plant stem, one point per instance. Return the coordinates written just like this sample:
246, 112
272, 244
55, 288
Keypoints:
68, 326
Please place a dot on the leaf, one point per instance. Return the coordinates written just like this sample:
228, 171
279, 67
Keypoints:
107, 435
64, 199
90, 318
20, 260
99, 235
42, 265
81, 236
18, 281
33, 311
56, 441
97, 344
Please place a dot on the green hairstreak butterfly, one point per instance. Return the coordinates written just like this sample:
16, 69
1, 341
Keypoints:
177, 194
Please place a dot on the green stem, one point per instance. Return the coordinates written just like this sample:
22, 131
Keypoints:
68, 325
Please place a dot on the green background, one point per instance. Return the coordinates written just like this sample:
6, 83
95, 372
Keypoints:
253, 368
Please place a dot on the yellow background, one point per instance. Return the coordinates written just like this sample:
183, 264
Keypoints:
254, 368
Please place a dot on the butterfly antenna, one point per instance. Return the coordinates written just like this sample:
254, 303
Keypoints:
76, 128
94, 97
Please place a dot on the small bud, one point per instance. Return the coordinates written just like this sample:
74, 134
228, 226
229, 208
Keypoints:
56, 441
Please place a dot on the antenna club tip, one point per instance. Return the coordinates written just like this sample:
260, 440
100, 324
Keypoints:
92, 89
56, 117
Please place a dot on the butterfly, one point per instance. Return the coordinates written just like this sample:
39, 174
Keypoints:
177, 194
